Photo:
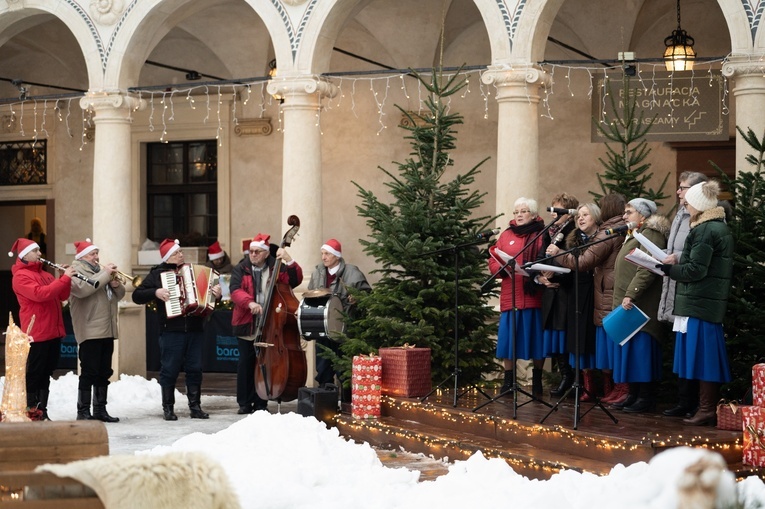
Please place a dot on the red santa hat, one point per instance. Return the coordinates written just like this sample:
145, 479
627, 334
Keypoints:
168, 247
83, 247
260, 242
215, 251
246, 245
333, 246
22, 247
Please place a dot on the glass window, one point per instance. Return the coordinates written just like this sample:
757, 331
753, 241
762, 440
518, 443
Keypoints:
182, 191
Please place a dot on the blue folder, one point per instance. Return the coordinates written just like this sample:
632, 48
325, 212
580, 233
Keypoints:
620, 324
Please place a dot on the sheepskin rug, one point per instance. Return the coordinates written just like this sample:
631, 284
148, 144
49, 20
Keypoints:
177, 479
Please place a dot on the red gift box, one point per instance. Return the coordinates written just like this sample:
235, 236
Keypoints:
405, 371
754, 435
366, 377
758, 385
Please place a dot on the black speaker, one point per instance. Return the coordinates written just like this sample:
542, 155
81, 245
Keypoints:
318, 402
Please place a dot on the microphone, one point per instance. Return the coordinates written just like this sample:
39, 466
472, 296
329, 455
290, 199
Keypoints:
561, 211
621, 229
488, 233
557, 238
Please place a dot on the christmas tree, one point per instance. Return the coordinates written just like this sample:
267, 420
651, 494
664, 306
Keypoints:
420, 235
745, 319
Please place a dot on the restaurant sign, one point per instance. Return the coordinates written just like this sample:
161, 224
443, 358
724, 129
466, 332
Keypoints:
679, 106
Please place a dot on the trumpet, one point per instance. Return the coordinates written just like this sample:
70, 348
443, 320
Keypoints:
91, 282
124, 278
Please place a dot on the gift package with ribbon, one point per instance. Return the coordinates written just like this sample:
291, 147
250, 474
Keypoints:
405, 371
366, 378
730, 415
753, 420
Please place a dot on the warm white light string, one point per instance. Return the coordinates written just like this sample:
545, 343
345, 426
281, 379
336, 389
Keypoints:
381, 97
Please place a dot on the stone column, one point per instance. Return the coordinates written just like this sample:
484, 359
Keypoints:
749, 94
517, 134
112, 204
301, 172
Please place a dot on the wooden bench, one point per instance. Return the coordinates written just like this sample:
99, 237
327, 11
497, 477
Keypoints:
24, 446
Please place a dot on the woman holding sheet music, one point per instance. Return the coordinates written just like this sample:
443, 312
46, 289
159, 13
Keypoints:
638, 362
600, 258
555, 295
703, 278
522, 242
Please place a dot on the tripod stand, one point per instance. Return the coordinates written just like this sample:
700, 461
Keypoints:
511, 269
576, 387
456, 372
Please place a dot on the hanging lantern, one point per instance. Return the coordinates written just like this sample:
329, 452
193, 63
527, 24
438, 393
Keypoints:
679, 55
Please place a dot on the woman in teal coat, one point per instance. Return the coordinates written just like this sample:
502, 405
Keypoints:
703, 283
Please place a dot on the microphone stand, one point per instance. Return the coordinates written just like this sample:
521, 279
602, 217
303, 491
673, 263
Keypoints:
456, 372
510, 267
576, 386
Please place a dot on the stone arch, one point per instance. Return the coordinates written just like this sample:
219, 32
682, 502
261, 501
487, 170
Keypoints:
142, 29
327, 19
75, 19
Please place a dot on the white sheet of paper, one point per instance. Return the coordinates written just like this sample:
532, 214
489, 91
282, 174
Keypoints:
652, 248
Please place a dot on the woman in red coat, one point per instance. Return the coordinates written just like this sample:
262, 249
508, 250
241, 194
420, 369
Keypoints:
526, 299
40, 296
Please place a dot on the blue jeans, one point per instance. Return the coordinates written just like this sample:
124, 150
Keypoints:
180, 350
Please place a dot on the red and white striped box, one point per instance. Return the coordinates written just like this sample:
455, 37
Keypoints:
366, 386
754, 435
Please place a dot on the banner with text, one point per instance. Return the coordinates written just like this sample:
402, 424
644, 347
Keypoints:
681, 107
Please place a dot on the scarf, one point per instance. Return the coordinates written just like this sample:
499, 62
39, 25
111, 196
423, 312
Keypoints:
529, 231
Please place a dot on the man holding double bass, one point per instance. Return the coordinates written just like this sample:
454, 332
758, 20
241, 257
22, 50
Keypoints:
249, 284
336, 276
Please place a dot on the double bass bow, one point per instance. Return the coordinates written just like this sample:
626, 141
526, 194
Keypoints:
280, 368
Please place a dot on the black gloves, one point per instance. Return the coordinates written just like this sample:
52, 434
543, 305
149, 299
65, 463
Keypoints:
664, 267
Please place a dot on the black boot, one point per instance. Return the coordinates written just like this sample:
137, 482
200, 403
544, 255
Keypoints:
687, 399
646, 401
536, 382
42, 395
168, 401
83, 404
99, 405
194, 393
566, 380
507, 383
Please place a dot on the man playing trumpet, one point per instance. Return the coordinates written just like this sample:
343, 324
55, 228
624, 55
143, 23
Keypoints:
94, 319
40, 296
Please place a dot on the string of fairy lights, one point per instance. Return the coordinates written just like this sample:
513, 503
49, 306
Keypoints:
387, 432
379, 87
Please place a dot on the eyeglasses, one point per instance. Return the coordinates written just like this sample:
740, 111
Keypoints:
683, 188
629, 212
257, 251
519, 212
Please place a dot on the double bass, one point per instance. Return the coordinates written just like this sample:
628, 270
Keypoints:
280, 368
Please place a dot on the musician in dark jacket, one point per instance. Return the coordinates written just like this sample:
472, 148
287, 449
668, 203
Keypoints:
336, 276
180, 338
249, 283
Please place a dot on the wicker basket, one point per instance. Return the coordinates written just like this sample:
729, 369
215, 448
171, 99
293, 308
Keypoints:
730, 416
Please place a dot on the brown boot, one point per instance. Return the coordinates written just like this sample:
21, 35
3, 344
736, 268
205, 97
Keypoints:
709, 394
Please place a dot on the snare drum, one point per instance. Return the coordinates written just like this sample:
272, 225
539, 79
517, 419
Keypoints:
320, 317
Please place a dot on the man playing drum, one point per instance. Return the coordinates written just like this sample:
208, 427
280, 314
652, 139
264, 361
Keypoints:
334, 276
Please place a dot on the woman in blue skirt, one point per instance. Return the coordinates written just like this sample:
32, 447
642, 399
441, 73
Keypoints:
638, 361
701, 296
520, 333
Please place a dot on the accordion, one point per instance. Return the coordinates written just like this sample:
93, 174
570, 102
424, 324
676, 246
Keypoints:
190, 290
